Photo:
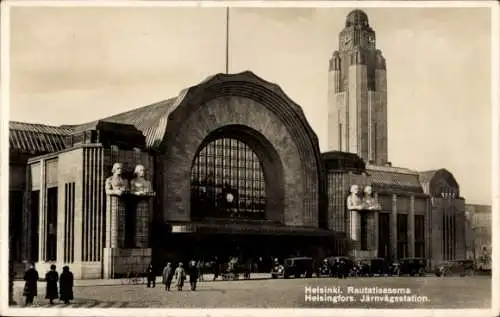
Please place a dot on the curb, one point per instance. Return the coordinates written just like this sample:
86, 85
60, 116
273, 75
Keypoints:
140, 281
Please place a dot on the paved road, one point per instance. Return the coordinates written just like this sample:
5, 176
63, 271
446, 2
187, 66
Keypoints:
452, 292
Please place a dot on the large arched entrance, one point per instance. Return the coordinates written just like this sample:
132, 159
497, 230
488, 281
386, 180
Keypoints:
237, 174
243, 100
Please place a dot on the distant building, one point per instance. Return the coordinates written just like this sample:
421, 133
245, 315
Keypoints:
479, 234
236, 170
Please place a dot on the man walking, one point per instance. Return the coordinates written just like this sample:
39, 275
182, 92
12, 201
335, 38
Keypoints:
193, 275
168, 275
151, 276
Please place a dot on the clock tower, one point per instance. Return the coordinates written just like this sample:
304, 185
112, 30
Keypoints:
357, 93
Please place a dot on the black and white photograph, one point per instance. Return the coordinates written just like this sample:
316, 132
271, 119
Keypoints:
181, 157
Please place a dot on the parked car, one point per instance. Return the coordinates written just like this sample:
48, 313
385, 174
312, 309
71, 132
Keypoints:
456, 267
379, 267
341, 266
412, 266
298, 267
363, 267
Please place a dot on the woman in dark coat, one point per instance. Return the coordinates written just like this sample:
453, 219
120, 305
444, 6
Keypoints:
51, 278
66, 285
30, 286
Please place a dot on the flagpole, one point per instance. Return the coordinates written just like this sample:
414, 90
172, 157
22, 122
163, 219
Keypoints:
227, 40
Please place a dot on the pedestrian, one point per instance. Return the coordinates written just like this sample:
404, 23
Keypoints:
151, 276
30, 284
180, 276
52, 278
168, 275
216, 267
193, 275
66, 285
200, 265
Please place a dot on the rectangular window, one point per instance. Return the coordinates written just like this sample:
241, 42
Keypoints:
419, 236
69, 222
35, 233
51, 225
454, 235
402, 238
340, 135
384, 241
444, 241
15, 224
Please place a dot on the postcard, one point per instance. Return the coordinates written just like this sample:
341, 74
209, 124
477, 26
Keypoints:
239, 158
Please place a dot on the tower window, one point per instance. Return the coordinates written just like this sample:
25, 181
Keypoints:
340, 136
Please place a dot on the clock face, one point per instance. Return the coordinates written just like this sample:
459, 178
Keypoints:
229, 197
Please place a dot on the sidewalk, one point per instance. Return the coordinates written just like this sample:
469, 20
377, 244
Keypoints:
125, 281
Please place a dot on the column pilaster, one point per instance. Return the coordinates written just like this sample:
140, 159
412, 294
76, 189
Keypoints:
394, 227
27, 234
355, 229
41, 214
376, 229
411, 228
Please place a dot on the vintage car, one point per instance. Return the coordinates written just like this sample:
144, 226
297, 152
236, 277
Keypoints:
341, 266
379, 267
298, 267
412, 266
372, 267
363, 267
456, 267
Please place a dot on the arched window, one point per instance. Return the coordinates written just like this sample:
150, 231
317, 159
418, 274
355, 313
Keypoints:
227, 181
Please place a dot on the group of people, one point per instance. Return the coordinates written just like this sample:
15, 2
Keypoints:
52, 278
179, 274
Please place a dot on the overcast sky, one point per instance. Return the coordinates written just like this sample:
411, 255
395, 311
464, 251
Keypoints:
72, 65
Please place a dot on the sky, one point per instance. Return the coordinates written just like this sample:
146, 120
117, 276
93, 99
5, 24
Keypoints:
73, 65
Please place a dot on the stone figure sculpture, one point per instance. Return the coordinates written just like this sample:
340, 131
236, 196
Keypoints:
139, 185
369, 201
353, 200
116, 185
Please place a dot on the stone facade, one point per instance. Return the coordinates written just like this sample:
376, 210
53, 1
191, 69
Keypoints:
447, 216
399, 193
84, 230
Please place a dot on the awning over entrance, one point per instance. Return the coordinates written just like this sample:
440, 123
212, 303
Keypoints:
258, 228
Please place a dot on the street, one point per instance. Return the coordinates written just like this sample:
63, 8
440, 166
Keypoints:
451, 292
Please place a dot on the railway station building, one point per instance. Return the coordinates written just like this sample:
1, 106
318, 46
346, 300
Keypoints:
229, 167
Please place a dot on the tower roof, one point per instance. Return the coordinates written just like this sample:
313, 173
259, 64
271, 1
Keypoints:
356, 17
